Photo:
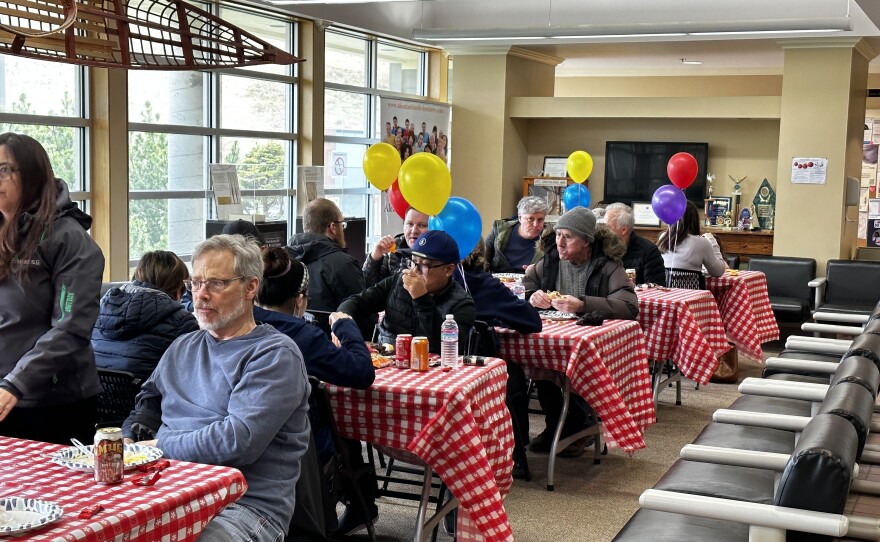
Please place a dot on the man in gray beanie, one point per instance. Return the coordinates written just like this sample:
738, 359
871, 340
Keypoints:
582, 273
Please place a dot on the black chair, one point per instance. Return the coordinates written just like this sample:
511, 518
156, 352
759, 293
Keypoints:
322, 320
684, 278
314, 515
338, 469
788, 285
851, 287
732, 260
117, 399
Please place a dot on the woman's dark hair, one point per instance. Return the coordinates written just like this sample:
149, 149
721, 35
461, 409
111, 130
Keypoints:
163, 270
39, 196
688, 224
283, 278
476, 260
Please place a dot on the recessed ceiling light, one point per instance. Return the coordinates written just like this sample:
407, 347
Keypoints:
691, 62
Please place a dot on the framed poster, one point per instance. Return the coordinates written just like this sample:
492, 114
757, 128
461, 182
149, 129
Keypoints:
554, 166
717, 209
643, 213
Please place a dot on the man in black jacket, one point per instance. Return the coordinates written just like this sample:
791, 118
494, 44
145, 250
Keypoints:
641, 254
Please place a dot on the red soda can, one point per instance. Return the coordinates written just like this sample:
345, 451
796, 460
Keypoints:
419, 354
109, 454
402, 347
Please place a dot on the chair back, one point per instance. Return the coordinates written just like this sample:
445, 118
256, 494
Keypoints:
117, 399
685, 278
732, 260
322, 320
310, 513
482, 341
852, 282
786, 277
823, 458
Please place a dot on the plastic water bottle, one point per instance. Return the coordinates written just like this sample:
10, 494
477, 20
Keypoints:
449, 343
519, 290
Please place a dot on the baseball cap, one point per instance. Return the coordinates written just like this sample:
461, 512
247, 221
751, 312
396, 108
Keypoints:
436, 245
245, 229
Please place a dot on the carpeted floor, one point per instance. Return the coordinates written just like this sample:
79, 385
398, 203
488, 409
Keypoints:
592, 502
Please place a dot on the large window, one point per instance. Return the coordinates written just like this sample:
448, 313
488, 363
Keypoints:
181, 122
45, 101
359, 71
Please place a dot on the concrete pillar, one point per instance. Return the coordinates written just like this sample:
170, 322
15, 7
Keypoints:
822, 115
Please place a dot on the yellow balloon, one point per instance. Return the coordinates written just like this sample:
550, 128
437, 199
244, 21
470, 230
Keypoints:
381, 164
425, 182
579, 166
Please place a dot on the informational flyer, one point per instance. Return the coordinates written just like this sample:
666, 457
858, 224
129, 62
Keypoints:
869, 165
809, 170
227, 192
309, 186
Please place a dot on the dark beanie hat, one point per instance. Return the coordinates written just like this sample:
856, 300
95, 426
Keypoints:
245, 229
579, 220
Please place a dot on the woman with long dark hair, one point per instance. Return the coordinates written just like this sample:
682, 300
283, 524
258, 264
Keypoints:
685, 252
50, 281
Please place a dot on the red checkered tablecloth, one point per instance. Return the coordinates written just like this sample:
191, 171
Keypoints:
606, 365
177, 508
455, 421
745, 310
684, 326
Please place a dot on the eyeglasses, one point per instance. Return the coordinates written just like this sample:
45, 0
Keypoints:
342, 223
424, 268
214, 286
6, 172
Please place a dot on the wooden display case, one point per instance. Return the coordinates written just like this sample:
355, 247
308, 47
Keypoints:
549, 188
744, 243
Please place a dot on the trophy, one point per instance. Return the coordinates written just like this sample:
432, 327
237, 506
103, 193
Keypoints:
737, 192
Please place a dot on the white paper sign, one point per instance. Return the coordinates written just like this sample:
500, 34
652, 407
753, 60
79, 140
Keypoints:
309, 186
227, 193
551, 182
808, 170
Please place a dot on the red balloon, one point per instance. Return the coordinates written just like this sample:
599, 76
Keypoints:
398, 203
682, 169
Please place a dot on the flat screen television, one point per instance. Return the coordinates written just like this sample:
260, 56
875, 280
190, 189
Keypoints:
635, 169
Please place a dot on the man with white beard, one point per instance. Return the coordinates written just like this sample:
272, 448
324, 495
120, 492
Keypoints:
234, 393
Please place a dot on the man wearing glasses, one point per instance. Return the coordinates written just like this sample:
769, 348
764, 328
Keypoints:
416, 301
333, 274
233, 393
512, 243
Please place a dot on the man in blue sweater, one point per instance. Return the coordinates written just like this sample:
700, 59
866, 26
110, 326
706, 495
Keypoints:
233, 393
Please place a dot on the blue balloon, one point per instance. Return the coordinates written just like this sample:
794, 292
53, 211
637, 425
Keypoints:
461, 220
669, 203
576, 195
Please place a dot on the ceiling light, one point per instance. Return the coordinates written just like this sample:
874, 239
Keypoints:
691, 62
635, 30
317, 2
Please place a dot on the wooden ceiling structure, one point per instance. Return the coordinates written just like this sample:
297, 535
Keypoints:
133, 34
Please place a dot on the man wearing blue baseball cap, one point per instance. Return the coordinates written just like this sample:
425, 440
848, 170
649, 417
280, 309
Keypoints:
415, 301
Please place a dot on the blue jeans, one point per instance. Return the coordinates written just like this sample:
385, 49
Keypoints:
239, 523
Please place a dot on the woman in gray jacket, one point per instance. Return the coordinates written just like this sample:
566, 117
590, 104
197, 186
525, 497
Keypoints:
50, 280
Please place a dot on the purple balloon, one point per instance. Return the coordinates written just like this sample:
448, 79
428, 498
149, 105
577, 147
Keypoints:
669, 203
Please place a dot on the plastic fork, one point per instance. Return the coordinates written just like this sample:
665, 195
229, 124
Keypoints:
81, 447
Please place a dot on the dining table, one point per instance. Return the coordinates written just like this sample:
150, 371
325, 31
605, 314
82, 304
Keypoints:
607, 365
176, 508
685, 327
455, 422
745, 309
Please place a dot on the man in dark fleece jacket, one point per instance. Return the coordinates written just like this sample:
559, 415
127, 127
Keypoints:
334, 275
641, 254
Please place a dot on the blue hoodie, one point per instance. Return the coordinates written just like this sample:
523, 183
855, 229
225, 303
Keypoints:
497, 305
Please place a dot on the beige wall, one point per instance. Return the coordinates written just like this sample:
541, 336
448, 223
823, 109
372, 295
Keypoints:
736, 147
742, 85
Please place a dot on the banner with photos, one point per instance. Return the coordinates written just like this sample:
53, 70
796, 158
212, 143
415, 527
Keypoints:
411, 127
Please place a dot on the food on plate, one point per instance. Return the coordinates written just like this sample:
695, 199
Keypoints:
131, 458
384, 349
554, 295
380, 361
507, 279
734, 272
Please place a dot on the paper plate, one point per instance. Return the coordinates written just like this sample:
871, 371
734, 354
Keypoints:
18, 514
558, 315
508, 277
135, 455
